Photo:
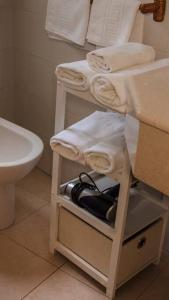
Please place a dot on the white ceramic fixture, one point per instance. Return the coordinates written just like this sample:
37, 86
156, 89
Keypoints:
20, 150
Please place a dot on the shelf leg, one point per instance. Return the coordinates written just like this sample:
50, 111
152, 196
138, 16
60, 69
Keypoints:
57, 164
165, 222
59, 126
120, 224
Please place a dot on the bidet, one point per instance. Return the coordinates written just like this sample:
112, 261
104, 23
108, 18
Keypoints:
20, 151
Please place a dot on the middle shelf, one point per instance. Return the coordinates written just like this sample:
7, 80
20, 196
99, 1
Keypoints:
143, 210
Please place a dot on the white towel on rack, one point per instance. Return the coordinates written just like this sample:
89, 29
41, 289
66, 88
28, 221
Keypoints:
68, 19
118, 57
111, 89
75, 75
111, 21
108, 155
73, 141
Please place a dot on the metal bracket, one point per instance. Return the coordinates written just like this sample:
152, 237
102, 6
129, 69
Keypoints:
157, 8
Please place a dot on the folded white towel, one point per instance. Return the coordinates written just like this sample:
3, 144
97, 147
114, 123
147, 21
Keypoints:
107, 156
68, 19
111, 90
86, 46
111, 21
76, 74
118, 57
73, 141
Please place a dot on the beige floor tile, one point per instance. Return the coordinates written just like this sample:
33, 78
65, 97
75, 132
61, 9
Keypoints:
26, 204
33, 233
20, 270
37, 183
132, 289
77, 273
159, 290
61, 286
136, 286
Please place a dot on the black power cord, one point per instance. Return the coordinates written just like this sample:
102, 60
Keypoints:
99, 203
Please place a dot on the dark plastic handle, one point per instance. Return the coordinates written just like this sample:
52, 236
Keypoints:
141, 243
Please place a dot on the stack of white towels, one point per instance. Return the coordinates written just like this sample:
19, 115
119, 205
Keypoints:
105, 71
98, 140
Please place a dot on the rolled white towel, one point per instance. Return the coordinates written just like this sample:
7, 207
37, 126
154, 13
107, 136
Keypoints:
75, 75
111, 89
114, 58
107, 156
73, 141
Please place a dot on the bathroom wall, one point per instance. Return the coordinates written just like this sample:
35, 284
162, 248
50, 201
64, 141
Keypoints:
6, 60
36, 57
157, 34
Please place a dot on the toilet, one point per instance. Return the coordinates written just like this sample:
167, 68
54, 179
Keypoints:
20, 151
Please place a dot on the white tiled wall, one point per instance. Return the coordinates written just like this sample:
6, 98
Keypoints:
6, 59
36, 57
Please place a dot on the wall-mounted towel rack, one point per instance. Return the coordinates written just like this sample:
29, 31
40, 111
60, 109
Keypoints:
157, 8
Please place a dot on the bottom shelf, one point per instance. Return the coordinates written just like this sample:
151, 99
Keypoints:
88, 241
95, 248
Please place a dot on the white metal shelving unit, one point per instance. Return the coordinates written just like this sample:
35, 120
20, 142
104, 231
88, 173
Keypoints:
126, 223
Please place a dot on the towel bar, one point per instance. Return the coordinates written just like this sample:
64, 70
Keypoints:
157, 8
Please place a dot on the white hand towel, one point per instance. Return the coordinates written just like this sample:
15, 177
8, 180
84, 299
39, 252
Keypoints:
68, 19
118, 57
73, 141
111, 89
107, 156
76, 74
111, 21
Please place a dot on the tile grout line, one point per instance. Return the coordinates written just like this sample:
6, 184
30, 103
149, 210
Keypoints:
31, 251
52, 264
28, 191
41, 282
30, 53
16, 9
30, 214
100, 293
146, 289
